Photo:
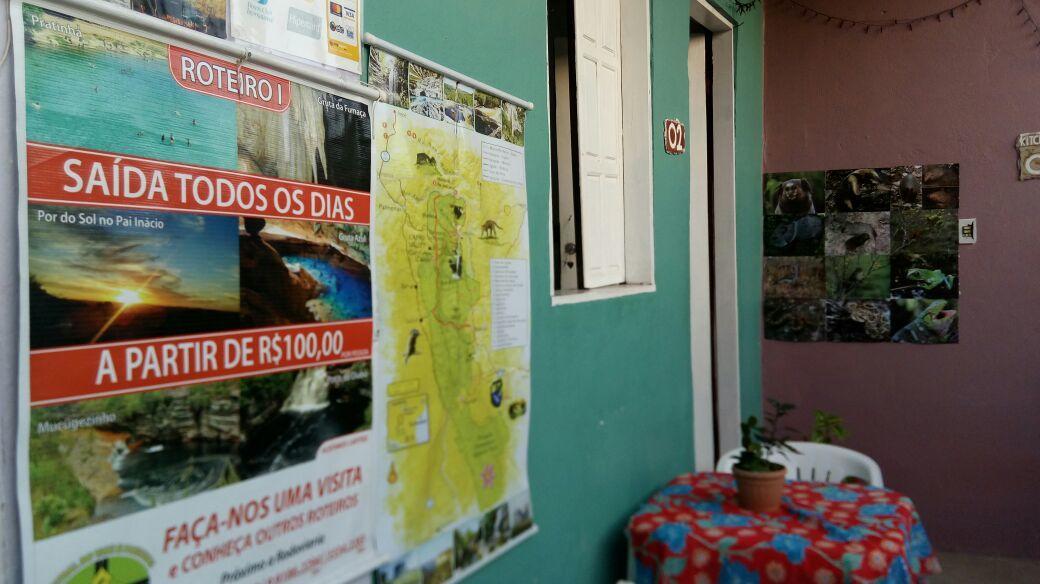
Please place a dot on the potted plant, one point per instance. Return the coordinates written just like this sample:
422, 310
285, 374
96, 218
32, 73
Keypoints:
827, 428
760, 482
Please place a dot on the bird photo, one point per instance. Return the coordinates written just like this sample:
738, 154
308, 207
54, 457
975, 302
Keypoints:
857, 233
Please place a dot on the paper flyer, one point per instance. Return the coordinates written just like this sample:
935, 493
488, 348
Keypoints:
324, 31
196, 380
451, 287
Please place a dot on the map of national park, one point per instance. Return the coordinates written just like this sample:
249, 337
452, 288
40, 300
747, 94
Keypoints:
450, 244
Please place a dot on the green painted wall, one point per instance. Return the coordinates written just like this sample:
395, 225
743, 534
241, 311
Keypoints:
611, 416
748, 120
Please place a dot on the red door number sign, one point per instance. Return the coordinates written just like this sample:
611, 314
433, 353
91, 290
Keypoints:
674, 137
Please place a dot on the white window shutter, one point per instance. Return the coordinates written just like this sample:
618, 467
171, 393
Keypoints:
597, 27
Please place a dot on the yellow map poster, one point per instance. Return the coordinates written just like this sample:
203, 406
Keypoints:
452, 355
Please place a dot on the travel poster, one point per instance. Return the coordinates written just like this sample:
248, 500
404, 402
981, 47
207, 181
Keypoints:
324, 31
196, 384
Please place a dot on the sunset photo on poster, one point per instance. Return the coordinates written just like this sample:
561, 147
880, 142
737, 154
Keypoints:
99, 275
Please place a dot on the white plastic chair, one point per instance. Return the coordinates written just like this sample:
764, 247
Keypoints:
818, 462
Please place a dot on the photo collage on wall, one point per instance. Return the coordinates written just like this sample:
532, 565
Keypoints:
427, 92
862, 255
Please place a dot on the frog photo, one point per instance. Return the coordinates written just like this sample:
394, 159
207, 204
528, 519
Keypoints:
916, 276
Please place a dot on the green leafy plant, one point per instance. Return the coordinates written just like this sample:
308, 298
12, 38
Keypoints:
758, 443
828, 428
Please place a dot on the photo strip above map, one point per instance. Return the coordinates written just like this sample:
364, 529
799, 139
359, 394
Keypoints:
862, 255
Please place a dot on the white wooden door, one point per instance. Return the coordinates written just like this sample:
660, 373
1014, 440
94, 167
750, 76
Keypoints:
597, 27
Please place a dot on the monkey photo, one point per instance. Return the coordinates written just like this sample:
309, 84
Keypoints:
795, 198
793, 193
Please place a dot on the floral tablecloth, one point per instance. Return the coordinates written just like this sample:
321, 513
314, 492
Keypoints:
693, 531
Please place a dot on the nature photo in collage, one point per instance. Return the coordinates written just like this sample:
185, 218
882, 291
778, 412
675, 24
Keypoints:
426, 91
389, 73
861, 255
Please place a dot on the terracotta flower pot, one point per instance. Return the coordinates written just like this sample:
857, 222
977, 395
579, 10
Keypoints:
760, 491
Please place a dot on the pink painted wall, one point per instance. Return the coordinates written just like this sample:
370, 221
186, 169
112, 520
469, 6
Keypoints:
955, 427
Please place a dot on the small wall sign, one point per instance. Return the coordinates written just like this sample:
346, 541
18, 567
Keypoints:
674, 137
1029, 156
968, 232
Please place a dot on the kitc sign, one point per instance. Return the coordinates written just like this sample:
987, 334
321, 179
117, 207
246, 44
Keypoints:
1029, 156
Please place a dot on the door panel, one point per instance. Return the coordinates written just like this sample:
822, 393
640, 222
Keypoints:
597, 40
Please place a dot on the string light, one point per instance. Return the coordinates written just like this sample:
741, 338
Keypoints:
1030, 20
867, 26
745, 7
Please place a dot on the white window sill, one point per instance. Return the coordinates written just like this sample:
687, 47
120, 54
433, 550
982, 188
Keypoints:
562, 297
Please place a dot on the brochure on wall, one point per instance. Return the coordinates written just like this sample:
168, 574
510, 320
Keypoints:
195, 383
328, 32
208, 16
452, 315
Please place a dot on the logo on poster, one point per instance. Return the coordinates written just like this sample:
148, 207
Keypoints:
302, 23
260, 10
115, 563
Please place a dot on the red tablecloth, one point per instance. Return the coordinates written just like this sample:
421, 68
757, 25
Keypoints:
693, 531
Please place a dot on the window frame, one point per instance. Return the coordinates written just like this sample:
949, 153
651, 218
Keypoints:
638, 155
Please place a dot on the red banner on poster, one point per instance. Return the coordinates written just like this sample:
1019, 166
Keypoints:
73, 176
224, 79
88, 371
